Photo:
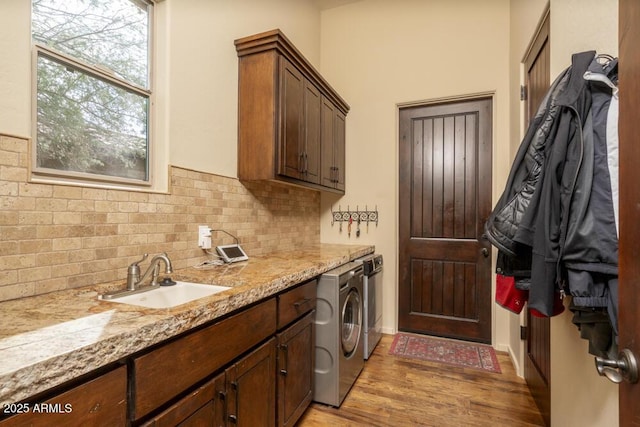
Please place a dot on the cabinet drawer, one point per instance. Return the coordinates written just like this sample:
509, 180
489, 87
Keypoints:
296, 302
169, 370
101, 401
203, 406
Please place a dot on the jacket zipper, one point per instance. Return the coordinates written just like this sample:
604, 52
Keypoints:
560, 282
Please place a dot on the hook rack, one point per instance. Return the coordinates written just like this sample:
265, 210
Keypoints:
365, 216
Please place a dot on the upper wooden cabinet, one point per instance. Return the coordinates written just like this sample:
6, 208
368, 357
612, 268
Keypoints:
284, 130
333, 159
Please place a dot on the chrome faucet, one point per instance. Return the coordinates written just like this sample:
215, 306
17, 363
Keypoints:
133, 274
135, 281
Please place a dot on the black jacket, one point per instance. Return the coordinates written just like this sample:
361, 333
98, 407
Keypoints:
553, 204
506, 225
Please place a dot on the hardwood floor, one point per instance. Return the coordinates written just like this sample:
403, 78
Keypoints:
395, 391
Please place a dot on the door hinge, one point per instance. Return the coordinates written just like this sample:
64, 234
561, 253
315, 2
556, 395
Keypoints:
523, 92
523, 333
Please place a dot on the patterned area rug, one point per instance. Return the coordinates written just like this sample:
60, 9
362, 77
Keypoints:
457, 353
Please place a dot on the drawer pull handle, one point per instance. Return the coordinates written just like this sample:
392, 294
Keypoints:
297, 304
285, 359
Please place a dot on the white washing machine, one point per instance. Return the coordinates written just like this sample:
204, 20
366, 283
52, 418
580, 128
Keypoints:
339, 354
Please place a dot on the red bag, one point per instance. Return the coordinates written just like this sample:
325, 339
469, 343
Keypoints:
508, 296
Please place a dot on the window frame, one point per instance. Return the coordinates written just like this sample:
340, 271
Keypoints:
49, 175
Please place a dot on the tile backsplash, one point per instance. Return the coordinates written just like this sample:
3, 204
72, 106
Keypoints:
55, 237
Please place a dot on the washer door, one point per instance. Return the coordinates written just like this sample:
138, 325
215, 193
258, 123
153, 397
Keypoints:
351, 322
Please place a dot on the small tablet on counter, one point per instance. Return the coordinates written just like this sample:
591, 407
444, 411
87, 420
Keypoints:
231, 253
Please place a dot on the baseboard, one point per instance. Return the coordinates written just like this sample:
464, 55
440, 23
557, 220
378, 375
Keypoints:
516, 364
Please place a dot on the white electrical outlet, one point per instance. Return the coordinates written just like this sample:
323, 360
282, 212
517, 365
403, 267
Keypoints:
204, 236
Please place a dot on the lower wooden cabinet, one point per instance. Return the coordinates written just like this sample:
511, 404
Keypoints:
174, 368
251, 387
268, 386
295, 370
253, 368
101, 401
242, 395
205, 406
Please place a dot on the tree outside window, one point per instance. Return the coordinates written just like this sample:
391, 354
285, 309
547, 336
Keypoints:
92, 88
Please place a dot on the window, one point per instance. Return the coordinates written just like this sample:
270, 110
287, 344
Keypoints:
92, 89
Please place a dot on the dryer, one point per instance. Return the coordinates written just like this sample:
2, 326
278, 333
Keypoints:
372, 295
339, 350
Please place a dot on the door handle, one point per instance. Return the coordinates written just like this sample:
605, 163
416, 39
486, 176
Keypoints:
485, 252
617, 370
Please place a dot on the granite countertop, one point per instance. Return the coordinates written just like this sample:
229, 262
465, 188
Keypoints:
49, 339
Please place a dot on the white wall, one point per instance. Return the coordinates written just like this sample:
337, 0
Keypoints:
203, 106
379, 54
15, 67
579, 396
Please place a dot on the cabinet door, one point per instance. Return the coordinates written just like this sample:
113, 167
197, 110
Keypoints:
339, 149
101, 401
291, 141
202, 407
251, 388
333, 146
312, 119
327, 173
295, 370
199, 355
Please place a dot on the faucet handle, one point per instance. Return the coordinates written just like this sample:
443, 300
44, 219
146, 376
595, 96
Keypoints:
133, 273
138, 262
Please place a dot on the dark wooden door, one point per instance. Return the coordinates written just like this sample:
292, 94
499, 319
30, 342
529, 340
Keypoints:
537, 364
333, 140
445, 198
311, 146
629, 253
101, 401
339, 148
251, 388
291, 120
296, 355
203, 406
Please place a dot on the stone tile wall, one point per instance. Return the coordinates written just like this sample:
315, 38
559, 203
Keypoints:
55, 237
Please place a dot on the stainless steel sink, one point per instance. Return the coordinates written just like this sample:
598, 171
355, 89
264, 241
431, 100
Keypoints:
169, 296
